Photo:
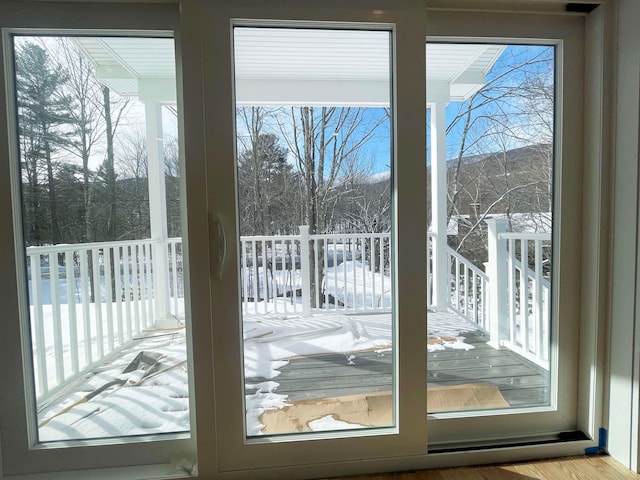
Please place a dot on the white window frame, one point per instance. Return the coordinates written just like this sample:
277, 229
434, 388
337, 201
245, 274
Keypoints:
21, 453
565, 33
235, 453
577, 407
320, 456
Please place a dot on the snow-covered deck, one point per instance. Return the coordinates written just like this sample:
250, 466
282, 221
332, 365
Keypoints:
327, 355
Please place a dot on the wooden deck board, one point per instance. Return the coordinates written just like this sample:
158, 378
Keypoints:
325, 376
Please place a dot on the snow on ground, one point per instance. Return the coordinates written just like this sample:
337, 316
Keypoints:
142, 405
444, 331
328, 423
159, 402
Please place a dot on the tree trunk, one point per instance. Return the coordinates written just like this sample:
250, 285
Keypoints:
53, 201
111, 186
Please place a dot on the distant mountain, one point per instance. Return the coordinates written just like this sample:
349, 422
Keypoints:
527, 154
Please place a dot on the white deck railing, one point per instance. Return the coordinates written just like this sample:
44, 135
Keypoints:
82, 310
519, 291
298, 273
529, 296
89, 300
469, 290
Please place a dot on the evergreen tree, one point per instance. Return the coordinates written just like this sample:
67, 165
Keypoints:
266, 183
43, 109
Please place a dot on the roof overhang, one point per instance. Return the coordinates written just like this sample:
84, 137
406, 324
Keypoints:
275, 66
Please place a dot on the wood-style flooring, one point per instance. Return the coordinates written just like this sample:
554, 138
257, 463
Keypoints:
570, 468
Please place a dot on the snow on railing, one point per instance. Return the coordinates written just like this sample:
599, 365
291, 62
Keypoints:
82, 310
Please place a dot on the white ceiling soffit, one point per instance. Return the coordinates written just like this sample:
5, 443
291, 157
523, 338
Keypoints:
278, 66
134, 66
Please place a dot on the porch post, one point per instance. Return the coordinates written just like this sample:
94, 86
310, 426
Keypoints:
441, 287
498, 282
305, 270
158, 213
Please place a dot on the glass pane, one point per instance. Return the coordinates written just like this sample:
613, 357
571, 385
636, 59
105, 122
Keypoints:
313, 179
97, 134
490, 170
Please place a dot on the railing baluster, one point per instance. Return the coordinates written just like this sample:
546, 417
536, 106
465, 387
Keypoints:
108, 296
117, 265
274, 275
137, 289
38, 321
174, 277
372, 269
265, 278
537, 296
345, 290
429, 256
325, 256
128, 279
456, 279
316, 273
244, 294
97, 299
511, 269
524, 295
54, 282
71, 308
86, 311
381, 270
256, 276
355, 276
474, 296
335, 274
149, 286
283, 275
143, 288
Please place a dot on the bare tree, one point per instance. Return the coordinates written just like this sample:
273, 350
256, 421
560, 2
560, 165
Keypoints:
323, 142
503, 147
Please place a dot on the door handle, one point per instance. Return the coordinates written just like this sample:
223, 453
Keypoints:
218, 240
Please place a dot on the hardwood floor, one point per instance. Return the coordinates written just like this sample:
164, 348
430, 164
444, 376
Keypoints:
571, 468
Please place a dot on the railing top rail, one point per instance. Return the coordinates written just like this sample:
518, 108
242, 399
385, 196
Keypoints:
260, 238
71, 247
338, 236
469, 265
524, 236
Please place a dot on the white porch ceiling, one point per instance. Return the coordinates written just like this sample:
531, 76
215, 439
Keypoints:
276, 66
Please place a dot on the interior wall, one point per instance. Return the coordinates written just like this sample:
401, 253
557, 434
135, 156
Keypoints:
623, 419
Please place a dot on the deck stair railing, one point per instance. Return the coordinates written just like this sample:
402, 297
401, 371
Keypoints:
469, 290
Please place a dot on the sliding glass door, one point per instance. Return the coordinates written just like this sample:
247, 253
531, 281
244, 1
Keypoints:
392, 231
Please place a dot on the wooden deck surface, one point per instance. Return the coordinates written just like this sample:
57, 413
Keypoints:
329, 376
